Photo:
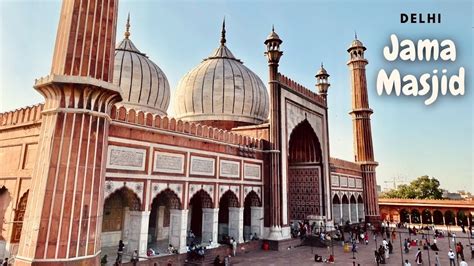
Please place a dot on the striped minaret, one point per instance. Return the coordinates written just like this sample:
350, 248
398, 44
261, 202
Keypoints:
274, 54
363, 148
63, 217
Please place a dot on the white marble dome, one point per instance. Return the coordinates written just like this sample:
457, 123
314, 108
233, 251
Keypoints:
143, 84
221, 91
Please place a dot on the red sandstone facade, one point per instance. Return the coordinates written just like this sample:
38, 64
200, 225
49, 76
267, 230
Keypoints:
81, 172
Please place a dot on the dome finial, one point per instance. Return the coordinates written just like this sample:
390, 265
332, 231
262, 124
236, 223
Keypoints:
223, 40
322, 66
273, 27
355, 34
127, 27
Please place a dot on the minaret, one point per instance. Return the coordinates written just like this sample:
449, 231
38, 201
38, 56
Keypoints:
62, 224
363, 148
274, 54
322, 82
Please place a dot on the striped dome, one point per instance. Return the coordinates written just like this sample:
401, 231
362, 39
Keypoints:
222, 89
143, 84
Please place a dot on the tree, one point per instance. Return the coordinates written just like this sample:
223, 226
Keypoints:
423, 187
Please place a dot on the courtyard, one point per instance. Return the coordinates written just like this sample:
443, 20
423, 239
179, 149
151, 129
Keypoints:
364, 256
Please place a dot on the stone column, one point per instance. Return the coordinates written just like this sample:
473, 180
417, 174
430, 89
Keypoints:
357, 212
256, 221
275, 190
178, 226
138, 236
342, 214
63, 219
236, 224
444, 220
210, 218
409, 218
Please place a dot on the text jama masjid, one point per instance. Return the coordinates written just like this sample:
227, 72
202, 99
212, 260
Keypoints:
100, 161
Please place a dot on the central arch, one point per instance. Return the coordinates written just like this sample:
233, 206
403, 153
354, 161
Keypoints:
198, 204
228, 202
118, 209
304, 173
159, 225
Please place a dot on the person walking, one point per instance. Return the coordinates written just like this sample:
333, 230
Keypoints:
407, 263
134, 258
120, 252
234, 246
418, 257
437, 262
451, 257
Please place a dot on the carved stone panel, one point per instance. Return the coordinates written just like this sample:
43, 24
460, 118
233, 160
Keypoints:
202, 166
252, 171
343, 180
335, 181
229, 169
351, 182
166, 162
125, 158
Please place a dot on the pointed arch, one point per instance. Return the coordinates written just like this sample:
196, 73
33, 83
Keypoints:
305, 185
18, 219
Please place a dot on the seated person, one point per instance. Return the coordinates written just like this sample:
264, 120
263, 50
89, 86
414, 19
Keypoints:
150, 252
318, 258
255, 237
172, 249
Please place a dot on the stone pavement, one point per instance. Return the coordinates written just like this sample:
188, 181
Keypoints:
365, 254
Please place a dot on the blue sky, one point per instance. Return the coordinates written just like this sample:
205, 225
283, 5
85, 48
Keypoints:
410, 139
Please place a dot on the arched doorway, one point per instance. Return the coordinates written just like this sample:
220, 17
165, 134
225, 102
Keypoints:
360, 208
345, 209
415, 216
438, 217
19, 215
227, 202
449, 217
116, 218
336, 209
426, 217
253, 216
199, 203
404, 216
305, 184
462, 218
5, 200
353, 209
159, 225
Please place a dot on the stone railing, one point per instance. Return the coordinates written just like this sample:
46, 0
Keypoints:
146, 119
27, 115
344, 164
293, 85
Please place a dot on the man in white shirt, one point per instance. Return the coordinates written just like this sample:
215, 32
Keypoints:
407, 263
451, 257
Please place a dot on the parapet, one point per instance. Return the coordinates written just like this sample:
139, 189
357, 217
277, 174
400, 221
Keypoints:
140, 118
339, 163
293, 85
22, 116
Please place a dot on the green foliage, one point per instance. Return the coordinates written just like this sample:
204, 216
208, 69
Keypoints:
423, 187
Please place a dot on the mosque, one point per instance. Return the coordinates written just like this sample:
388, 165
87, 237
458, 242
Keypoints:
101, 161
